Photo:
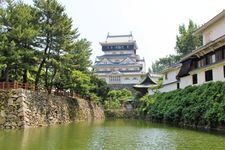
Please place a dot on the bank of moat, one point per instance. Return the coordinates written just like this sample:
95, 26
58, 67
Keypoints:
22, 109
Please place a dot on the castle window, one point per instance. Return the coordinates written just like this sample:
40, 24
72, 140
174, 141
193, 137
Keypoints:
224, 71
166, 76
114, 78
209, 59
208, 75
194, 64
178, 85
219, 55
202, 62
194, 79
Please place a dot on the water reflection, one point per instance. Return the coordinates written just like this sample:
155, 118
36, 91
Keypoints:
109, 135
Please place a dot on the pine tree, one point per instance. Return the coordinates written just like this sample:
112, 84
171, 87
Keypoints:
56, 38
17, 40
186, 42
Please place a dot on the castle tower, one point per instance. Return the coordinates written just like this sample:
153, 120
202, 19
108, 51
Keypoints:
120, 66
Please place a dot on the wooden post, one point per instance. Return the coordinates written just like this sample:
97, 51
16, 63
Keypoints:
26, 86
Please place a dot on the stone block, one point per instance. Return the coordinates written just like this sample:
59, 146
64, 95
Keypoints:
2, 120
14, 96
10, 101
20, 100
3, 114
21, 114
11, 116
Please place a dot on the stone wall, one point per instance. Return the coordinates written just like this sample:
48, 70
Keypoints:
122, 86
121, 113
23, 108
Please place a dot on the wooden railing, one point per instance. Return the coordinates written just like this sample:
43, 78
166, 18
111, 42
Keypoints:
26, 86
15, 85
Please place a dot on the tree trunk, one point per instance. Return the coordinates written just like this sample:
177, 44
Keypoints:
51, 81
39, 73
37, 79
25, 76
46, 77
6, 75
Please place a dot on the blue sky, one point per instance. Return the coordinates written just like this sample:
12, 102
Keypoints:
154, 23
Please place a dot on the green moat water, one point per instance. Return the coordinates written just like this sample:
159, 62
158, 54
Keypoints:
110, 135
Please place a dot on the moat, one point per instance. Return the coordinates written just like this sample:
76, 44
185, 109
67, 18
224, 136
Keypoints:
109, 135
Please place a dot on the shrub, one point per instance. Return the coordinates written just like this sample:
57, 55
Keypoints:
194, 105
116, 98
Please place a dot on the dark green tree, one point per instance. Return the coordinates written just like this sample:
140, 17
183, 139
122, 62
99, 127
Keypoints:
164, 63
100, 87
79, 57
116, 98
56, 38
186, 41
17, 40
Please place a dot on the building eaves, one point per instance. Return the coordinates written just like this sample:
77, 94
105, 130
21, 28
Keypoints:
122, 71
202, 50
107, 65
171, 68
209, 23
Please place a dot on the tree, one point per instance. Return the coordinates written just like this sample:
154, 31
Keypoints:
117, 97
185, 44
56, 38
164, 63
17, 40
79, 57
100, 87
186, 41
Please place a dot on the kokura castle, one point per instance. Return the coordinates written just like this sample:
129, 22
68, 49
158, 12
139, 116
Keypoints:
120, 66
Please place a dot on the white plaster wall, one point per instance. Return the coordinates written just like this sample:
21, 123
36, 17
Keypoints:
218, 74
185, 81
131, 79
122, 79
171, 77
214, 31
169, 87
201, 77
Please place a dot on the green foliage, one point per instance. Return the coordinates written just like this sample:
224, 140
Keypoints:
100, 88
39, 46
185, 44
186, 41
16, 40
195, 105
164, 63
116, 98
83, 84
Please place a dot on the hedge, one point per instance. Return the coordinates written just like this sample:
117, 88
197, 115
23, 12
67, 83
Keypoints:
202, 105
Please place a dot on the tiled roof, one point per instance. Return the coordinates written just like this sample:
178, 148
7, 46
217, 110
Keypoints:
117, 55
119, 38
122, 71
133, 64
